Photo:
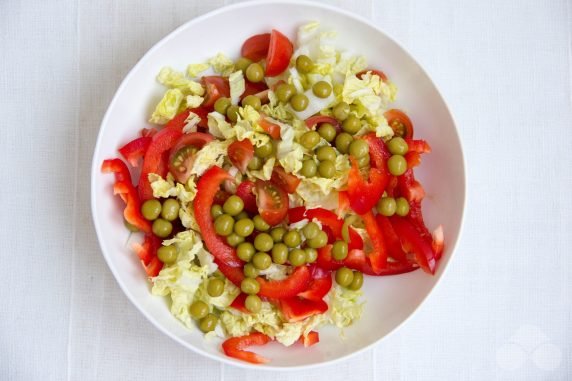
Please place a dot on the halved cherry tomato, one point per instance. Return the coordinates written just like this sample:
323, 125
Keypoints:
207, 187
296, 309
399, 123
183, 154
254, 89
319, 119
270, 128
310, 339
272, 202
234, 347
412, 242
132, 211
255, 48
364, 194
285, 180
215, 88
135, 150
289, 287
374, 72
245, 192
280, 51
239, 303
241, 153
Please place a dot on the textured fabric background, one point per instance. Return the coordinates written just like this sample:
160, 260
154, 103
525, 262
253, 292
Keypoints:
503, 312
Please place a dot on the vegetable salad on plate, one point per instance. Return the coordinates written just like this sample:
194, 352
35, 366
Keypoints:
271, 187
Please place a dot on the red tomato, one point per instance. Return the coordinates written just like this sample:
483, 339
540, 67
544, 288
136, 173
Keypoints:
182, 156
365, 193
256, 47
285, 180
319, 119
310, 339
245, 192
239, 303
374, 72
234, 347
215, 87
240, 154
271, 129
279, 53
254, 89
399, 123
272, 202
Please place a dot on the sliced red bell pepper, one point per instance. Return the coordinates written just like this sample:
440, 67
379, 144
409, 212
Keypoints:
296, 309
378, 257
178, 122
325, 259
132, 211
135, 150
148, 250
364, 194
357, 260
154, 267
320, 284
410, 188
378, 152
413, 159
319, 119
412, 242
234, 274
245, 192
239, 303
155, 159
418, 145
343, 203
310, 339
416, 217
270, 128
391, 239
438, 243
117, 167
234, 347
373, 71
207, 187
289, 287
148, 132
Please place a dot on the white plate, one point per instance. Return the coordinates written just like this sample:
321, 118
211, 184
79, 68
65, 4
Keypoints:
390, 300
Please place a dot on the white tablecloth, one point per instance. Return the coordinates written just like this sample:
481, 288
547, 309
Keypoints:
504, 310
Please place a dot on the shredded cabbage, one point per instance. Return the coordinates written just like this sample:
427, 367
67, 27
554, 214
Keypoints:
167, 107
237, 86
222, 65
193, 70
174, 79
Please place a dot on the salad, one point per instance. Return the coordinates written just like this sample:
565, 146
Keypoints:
271, 187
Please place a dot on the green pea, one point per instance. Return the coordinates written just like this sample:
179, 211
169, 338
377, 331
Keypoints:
310, 139
216, 210
357, 282
397, 146
245, 251
280, 253
299, 102
309, 168
208, 323
250, 286
151, 209
304, 64
132, 228
263, 242
318, 241
326, 153
363, 161
253, 303
264, 151
343, 142
297, 257
241, 216
199, 309
233, 205
260, 224
215, 287
397, 165
352, 124
242, 64
167, 254
327, 131
255, 163
322, 89
162, 228
221, 105
386, 206
359, 148
244, 227
340, 250
224, 224
401, 207
170, 209
284, 92
250, 271
254, 73
252, 101
277, 234
234, 239
232, 113
338, 88
341, 111
327, 169
311, 255
261, 261
311, 230
344, 276
292, 238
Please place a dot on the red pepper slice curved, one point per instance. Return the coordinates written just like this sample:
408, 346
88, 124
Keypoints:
358, 260
413, 159
239, 303
319, 119
412, 242
317, 289
391, 239
135, 150
270, 128
374, 72
409, 187
117, 167
207, 187
438, 243
147, 253
132, 211
245, 192
418, 145
296, 309
234, 347
378, 257
154, 161
310, 339
178, 122
297, 282
234, 274
416, 217
363, 195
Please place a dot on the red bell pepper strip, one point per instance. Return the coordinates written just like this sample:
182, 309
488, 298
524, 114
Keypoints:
413, 159
363, 195
234, 347
178, 122
319, 119
438, 243
374, 72
310, 339
207, 187
412, 242
244, 191
296, 309
147, 253
154, 161
289, 287
378, 152
418, 145
132, 211
378, 257
416, 217
391, 239
135, 150
410, 188
234, 274
270, 128
343, 203
320, 284
239, 303
117, 167
148, 132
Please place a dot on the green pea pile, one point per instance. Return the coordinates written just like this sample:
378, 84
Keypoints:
352, 280
162, 215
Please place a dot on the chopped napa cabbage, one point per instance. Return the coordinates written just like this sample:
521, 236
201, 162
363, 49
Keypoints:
185, 195
219, 127
176, 80
268, 321
237, 86
345, 306
230, 292
264, 173
290, 156
369, 92
315, 105
249, 114
213, 153
278, 111
167, 107
222, 65
191, 123
193, 70
291, 332
194, 101
298, 225
350, 65
276, 272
